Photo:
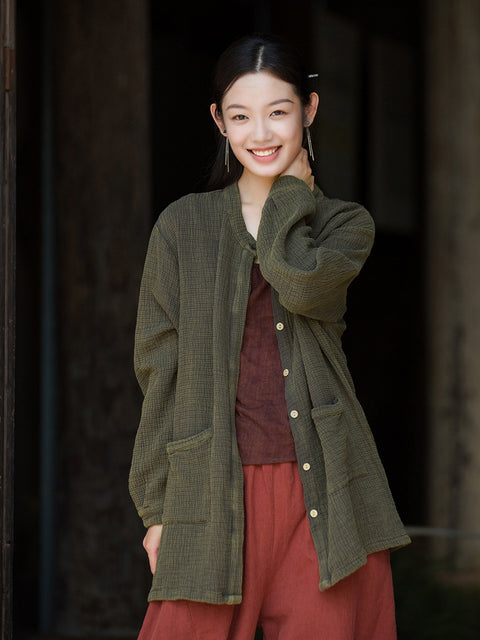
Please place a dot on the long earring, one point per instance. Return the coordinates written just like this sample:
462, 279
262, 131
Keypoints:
227, 152
309, 139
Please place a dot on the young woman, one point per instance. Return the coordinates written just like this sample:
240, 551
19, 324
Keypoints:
254, 468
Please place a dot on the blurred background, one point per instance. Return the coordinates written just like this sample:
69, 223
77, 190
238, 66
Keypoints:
113, 124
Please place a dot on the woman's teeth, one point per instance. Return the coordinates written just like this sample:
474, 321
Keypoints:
262, 153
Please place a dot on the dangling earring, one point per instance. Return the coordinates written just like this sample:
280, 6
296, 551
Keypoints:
227, 152
309, 139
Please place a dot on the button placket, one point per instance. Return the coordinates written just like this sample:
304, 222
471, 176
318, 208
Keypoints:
294, 413
280, 328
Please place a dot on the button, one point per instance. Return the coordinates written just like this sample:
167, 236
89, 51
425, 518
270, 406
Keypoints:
306, 466
280, 326
294, 413
285, 372
313, 513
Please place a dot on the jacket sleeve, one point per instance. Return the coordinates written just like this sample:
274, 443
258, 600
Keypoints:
310, 248
155, 360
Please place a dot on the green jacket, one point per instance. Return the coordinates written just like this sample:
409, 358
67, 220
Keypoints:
186, 471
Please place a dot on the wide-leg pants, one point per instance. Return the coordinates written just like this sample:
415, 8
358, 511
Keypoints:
280, 581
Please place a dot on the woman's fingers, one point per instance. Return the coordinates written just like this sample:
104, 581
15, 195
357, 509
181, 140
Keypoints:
151, 544
300, 168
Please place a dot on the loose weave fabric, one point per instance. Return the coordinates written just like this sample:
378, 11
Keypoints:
186, 471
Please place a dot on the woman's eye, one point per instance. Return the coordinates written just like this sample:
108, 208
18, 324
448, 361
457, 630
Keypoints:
278, 112
239, 117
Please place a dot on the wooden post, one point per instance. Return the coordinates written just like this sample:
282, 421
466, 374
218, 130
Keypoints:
453, 265
101, 150
7, 302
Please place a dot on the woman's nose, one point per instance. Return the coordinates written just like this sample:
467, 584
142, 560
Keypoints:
261, 131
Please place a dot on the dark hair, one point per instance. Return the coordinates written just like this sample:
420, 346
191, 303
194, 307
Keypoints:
251, 54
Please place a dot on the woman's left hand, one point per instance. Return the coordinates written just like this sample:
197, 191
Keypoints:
300, 168
151, 544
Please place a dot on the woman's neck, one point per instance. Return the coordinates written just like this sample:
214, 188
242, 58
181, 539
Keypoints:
253, 189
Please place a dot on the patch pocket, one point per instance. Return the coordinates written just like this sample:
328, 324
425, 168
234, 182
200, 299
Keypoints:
343, 461
187, 496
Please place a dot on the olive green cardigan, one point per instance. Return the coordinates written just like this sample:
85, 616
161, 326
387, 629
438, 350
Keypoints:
186, 471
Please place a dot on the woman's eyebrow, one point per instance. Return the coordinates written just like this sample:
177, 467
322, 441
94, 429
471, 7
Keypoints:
271, 104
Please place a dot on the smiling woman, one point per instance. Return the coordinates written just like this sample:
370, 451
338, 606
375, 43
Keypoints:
262, 117
271, 117
254, 469
254, 58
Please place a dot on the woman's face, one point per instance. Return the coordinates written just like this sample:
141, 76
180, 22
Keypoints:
264, 120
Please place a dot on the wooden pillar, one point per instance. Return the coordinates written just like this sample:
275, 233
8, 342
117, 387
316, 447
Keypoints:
453, 268
7, 303
102, 201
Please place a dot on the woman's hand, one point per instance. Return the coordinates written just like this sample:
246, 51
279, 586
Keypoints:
300, 168
151, 544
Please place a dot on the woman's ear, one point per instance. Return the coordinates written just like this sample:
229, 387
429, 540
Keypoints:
217, 118
312, 106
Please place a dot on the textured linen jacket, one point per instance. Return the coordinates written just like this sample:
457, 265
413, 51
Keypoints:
186, 471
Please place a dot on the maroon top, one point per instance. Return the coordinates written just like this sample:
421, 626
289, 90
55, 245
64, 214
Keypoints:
263, 430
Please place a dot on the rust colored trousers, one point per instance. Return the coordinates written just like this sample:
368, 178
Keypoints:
280, 580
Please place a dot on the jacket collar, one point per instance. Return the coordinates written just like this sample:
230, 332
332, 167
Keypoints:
233, 208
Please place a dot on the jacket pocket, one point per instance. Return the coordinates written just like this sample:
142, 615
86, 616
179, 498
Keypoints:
343, 461
187, 496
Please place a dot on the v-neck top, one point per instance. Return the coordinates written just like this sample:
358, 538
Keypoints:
263, 429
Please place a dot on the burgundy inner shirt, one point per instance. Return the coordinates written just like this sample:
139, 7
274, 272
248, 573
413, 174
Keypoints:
263, 430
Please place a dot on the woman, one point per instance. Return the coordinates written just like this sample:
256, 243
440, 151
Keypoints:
254, 469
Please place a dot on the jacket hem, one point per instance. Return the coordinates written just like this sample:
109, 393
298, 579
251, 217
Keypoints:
210, 597
360, 561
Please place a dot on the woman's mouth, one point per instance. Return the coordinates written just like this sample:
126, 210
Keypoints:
265, 154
